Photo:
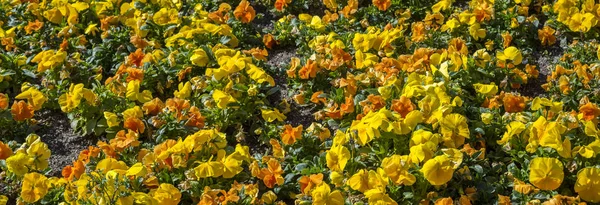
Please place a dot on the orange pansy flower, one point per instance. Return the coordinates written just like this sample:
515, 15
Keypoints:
134, 74
195, 118
244, 12
3, 101
513, 103
316, 99
107, 149
5, 151
153, 107
403, 106
348, 106
589, 111
307, 183
134, 124
123, 141
309, 70
86, 155
33, 26
136, 57
281, 4
382, 4
291, 134
177, 105
269, 40
220, 16
21, 111
75, 171
272, 174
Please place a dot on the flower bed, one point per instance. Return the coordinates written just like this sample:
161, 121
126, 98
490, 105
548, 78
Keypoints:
300, 102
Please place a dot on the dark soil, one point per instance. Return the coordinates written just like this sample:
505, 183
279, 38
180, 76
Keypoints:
544, 60
55, 130
278, 61
264, 23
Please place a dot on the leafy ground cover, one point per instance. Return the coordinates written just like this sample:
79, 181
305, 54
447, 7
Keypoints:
299, 102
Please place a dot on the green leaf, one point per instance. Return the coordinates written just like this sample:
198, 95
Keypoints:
477, 168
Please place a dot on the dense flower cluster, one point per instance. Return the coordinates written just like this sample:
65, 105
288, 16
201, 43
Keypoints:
409, 102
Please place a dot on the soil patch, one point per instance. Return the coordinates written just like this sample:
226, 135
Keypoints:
544, 60
55, 130
279, 59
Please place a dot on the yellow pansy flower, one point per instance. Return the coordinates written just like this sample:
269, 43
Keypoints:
259, 75
441, 6
91, 29
488, 90
582, 22
422, 152
222, 98
134, 112
112, 120
467, 17
588, 184
337, 157
337, 178
3, 200
166, 16
439, 170
423, 136
454, 155
34, 187
199, 57
477, 32
454, 129
512, 129
72, 99
166, 194
364, 180
49, 59
272, 115
18, 163
232, 64
368, 127
451, 25
185, 90
316, 23
269, 197
365, 59
39, 154
137, 170
33, 96
546, 173
363, 42
396, 167
143, 198
209, 169
322, 195
134, 94
110, 164
588, 151
232, 165
548, 134
487, 118
511, 53
53, 15
481, 57
378, 196
539, 103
